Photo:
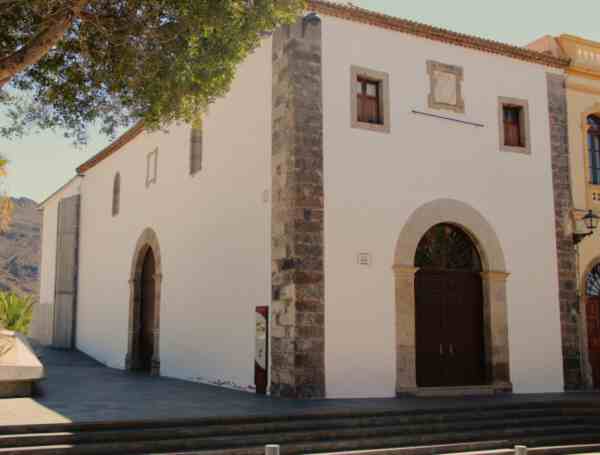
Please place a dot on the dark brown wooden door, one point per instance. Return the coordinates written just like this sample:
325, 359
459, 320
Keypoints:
593, 329
449, 328
147, 313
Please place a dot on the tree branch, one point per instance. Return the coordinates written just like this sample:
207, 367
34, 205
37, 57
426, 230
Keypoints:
40, 44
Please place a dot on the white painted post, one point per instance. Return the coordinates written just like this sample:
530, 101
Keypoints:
272, 449
520, 450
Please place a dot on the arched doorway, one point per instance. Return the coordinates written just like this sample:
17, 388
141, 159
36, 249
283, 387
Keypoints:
467, 223
592, 311
143, 351
448, 309
145, 342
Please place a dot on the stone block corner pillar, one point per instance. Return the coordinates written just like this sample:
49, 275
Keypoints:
298, 308
406, 354
495, 317
565, 249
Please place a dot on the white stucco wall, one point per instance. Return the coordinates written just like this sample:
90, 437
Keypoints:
374, 181
214, 234
41, 327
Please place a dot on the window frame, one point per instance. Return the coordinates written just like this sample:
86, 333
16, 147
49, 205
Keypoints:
524, 125
116, 195
151, 167
196, 149
588, 137
383, 86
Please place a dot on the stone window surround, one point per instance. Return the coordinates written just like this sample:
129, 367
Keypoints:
524, 126
148, 240
458, 72
384, 98
494, 279
151, 167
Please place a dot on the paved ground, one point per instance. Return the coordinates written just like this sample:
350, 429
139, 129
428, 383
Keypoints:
79, 389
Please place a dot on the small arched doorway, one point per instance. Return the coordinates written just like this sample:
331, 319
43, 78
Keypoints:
146, 314
449, 320
143, 346
592, 311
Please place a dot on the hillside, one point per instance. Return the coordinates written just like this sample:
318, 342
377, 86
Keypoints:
20, 249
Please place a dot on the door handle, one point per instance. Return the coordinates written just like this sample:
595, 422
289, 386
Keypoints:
441, 349
452, 350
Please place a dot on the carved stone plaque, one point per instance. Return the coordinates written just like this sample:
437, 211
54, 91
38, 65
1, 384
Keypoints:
446, 87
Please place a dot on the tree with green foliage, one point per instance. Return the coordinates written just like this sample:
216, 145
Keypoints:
70, 63
15, 312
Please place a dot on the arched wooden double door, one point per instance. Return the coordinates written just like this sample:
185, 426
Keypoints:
592, 310
147, 314
448, 310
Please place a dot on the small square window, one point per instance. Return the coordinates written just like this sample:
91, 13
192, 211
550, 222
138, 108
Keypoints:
370, 100
514, 125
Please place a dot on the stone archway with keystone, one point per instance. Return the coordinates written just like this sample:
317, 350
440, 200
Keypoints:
494, 278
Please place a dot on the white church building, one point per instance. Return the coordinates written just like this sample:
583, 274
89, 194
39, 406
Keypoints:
372, 211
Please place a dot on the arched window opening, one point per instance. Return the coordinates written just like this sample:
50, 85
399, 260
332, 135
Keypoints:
594, 148
592, 285
116, 199
447, 247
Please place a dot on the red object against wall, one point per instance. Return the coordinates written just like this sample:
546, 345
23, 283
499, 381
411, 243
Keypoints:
261, 352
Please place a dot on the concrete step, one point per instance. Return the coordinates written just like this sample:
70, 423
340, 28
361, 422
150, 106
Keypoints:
357, 427
474, 411
316, 441
338, 419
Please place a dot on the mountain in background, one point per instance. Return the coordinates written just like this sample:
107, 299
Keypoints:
20, 249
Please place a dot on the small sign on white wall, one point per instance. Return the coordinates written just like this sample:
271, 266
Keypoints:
364, 258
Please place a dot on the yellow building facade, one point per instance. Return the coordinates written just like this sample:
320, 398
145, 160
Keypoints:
583, 104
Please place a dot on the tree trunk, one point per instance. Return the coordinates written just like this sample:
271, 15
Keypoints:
40, 44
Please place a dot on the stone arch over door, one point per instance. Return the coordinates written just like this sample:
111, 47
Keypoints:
494, 277
147, 241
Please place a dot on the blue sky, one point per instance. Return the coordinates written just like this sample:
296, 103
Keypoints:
40, 163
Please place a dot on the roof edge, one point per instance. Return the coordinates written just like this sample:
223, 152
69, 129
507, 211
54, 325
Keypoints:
41, 205
120, 142
365, 16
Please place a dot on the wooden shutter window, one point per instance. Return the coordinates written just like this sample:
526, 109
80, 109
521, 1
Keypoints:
513, 136
116, 196
369, 101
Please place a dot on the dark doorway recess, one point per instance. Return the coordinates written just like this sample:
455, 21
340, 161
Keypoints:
146, 314
449, 310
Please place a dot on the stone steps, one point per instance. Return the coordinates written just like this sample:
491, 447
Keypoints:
339, 428
533, 425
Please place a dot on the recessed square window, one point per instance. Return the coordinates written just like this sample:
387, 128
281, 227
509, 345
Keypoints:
514, 125
370, 99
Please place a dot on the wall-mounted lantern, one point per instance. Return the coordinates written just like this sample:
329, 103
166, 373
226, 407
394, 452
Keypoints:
591, 223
